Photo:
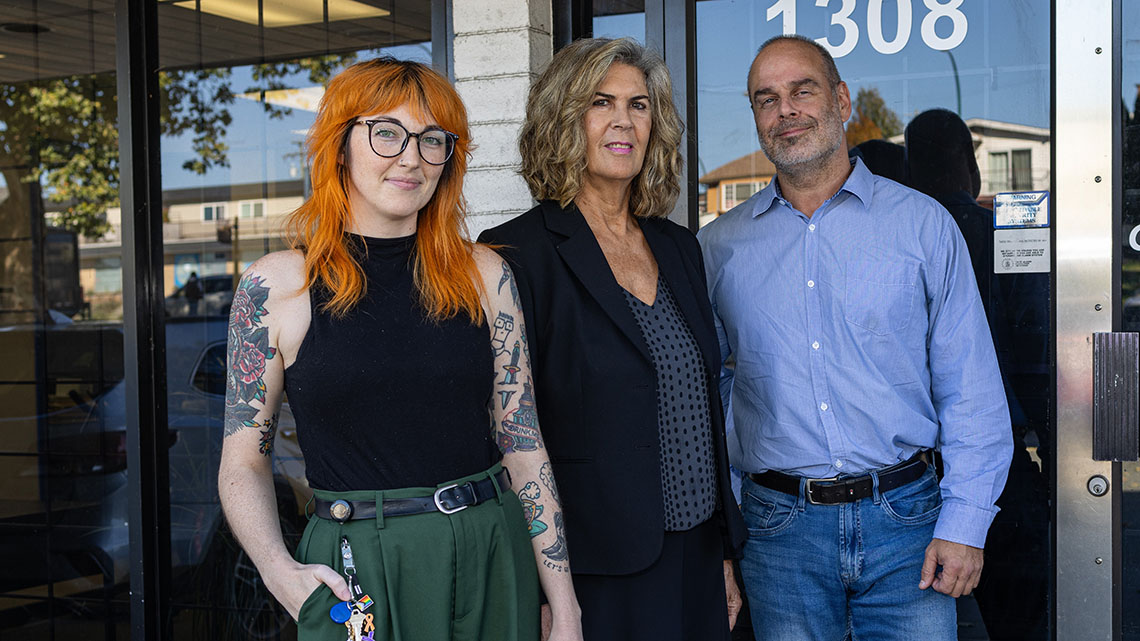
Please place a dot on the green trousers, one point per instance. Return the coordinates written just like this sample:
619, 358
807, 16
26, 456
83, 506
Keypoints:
432, 577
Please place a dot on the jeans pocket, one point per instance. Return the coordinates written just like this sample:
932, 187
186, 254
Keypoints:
916, 503
767, 516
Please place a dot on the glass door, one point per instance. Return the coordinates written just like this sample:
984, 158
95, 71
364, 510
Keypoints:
952, 98
1129, 244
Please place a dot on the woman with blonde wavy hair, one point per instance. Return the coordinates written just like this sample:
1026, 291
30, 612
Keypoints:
386, 329
624, 349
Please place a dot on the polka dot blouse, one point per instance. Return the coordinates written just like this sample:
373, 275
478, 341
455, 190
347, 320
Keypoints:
688, 469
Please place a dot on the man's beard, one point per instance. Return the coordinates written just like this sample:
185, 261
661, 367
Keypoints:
823, 137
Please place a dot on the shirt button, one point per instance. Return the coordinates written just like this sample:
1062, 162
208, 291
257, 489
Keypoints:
811, 283
811, 227
823, 406
838, 463
815, 345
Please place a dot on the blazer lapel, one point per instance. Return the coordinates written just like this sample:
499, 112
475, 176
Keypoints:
684, 279
584, 257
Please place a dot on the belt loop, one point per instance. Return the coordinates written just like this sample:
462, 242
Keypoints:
309, 515
875, 496
494, 476
802, 498
380, 510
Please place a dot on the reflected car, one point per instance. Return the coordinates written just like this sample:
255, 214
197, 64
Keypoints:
217, 295
71, 527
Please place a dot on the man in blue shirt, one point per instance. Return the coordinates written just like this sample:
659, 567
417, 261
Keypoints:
855, 342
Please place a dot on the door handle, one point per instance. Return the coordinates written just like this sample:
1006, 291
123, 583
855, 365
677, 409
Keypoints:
1116, 396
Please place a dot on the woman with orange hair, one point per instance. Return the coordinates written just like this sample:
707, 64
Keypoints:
397, 342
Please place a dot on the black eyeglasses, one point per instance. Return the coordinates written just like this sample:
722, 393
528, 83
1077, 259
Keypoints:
389, 139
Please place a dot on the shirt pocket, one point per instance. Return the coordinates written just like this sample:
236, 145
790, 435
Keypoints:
878, 295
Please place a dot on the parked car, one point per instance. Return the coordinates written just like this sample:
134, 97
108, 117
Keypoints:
217, 295
67, 527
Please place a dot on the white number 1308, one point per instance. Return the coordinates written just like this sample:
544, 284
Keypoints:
936, 10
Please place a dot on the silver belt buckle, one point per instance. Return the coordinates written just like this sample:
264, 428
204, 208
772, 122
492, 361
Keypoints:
439, 506
811, 482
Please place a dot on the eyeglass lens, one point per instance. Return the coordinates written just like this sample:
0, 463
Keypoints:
388, 139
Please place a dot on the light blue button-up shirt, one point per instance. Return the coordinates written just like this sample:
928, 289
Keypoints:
858, 337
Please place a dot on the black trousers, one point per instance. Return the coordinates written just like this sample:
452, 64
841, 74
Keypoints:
678, 598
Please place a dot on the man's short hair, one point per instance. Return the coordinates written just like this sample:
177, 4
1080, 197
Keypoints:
833, 78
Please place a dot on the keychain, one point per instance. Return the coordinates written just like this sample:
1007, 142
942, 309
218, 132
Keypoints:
351, 612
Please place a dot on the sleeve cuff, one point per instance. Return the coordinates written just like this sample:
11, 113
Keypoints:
960, 522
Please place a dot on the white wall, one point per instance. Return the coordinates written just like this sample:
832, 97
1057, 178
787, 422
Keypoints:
500, 46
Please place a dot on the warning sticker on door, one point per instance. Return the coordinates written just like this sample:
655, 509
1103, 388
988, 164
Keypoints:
1021, 251
1021, 209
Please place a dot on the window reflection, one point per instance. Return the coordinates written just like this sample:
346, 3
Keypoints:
236, 118
237, 96
63, 468
987, 64
1130, 296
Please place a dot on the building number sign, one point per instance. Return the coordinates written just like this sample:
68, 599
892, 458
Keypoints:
948, 11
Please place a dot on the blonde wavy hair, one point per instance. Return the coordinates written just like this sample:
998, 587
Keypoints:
553, 139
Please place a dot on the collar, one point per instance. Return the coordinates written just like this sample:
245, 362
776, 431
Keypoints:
861, 184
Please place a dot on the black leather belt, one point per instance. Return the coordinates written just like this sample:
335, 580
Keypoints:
839, 489
449, 500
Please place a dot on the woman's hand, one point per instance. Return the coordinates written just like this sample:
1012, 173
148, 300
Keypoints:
293, 584
568, 629
732, 594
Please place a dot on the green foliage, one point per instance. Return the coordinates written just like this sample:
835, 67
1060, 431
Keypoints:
871, 106
62, 133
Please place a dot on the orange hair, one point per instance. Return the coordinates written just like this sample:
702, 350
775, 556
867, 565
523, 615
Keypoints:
445, 272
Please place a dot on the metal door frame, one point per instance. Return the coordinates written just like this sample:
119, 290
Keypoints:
1087, 538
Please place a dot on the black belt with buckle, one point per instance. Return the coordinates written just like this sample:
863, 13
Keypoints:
449, 500
839, 489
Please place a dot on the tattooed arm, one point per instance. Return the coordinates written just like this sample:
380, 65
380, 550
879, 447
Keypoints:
517, 433
268, 319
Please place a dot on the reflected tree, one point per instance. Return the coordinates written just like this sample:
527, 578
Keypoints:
62, 133
59, 144
871, 119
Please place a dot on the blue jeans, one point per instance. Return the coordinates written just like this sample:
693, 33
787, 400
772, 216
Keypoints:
832, 572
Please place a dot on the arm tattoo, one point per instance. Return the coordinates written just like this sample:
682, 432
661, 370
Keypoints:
248, 347
557, 554
504, 325
518, 432
268, 431
512, 368
529, 496
557, 550
509, 278
548, 480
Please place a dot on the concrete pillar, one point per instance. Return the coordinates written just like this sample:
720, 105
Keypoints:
498, 50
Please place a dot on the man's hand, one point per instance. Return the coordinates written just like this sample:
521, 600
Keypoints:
961, 568
731, 594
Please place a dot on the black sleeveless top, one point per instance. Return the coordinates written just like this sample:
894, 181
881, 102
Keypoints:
385, 398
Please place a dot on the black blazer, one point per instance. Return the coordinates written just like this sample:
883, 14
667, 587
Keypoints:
596, 385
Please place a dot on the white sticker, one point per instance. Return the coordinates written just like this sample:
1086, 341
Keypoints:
1021, 251
1021, 209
